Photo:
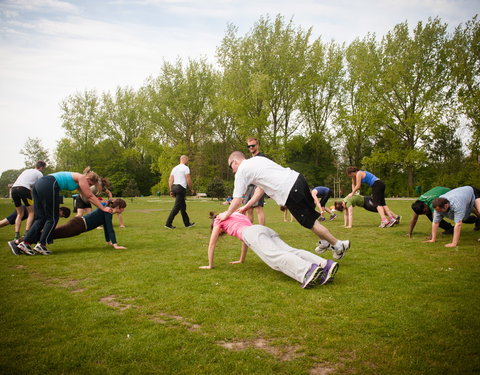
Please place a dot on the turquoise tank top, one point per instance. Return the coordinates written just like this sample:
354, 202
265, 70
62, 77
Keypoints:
369, 178
65, 180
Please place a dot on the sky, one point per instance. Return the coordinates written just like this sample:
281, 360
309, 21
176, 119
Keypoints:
51, 49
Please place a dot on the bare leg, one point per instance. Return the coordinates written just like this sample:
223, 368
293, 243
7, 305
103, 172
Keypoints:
260, 215
31, 216
323, 233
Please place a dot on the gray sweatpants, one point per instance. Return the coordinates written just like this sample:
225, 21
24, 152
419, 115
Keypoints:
266, 243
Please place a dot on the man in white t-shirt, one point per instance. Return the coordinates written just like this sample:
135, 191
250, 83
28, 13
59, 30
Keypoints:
22, 194
178, 181
286, 187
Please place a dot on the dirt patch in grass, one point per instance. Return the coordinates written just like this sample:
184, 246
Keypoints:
164, 318
20, 267
283, 353
322, 369
113, 301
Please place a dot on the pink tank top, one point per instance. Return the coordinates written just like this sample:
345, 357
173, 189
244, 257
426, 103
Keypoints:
234, 225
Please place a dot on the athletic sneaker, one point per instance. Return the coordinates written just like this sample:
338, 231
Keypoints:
323, 245
384, 224
190, 225
397, 219
321, 218
391, 222
333, 217
170, 227
41, 249
340, 253
14, 248
311, 276
25, 248
328, 272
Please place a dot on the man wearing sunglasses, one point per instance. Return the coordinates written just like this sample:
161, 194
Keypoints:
253, 147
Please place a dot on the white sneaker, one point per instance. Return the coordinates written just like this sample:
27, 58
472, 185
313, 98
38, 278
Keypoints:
322, 246
41, 249
339, 253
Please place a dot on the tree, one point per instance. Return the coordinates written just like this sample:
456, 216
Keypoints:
409, 77
34, 151
8, 177
465, 48
82, 123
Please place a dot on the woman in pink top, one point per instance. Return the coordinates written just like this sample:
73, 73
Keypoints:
305, 267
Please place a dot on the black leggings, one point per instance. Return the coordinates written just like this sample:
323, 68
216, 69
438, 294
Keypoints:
73, 228
46, 197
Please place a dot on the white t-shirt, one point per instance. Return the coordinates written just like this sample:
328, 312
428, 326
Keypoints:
179, 174
27, 178
274, 179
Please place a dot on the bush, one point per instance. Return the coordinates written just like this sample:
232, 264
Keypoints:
216, 188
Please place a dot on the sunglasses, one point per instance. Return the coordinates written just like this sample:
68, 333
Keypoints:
251, 146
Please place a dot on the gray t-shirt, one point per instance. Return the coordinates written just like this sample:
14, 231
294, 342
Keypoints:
462, 201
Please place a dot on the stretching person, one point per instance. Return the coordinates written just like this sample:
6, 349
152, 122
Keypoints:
22, 192
46, 197
388, 217
323, 193
356, 200
456, 205
307, 268
286, 187
81, 224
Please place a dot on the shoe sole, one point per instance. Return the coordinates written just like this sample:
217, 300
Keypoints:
169, 227
42, 252
310, 282
331, 274
14, 248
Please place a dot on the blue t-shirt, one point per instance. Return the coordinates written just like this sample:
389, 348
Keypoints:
369, 178
65, 180
322, 191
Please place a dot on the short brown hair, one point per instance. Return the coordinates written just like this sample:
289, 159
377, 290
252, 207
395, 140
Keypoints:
352, 170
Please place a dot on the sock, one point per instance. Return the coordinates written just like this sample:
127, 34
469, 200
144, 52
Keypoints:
17, 235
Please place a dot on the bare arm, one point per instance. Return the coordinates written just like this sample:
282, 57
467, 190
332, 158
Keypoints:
254, 199
434, 232
412, 224
456, 235
85, 190
243, 254
357, 182
170, 183
315, 199
235, 203
349, 214
189, 183
211, 247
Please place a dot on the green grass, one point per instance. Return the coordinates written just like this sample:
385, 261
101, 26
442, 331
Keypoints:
397, 306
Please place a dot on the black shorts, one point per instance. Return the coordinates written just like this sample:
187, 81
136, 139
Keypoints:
21, 194
378, 193
324, 198
249, 194
476, 192
80, 203
301, 205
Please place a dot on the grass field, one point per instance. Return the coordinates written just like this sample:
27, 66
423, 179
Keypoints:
397, 305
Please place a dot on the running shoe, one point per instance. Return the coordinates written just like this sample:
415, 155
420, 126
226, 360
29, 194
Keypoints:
25, 248
323, 245
339, 253
332, 217
328, 272
190, 225
14, 248
311, 276
41, 249
170, 227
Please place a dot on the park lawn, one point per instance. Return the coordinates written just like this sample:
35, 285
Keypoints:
397, 305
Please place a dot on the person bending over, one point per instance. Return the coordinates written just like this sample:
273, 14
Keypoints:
356, 200
307, 268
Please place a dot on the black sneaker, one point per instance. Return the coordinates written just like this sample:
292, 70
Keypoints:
14, 248
190, 225
170, 227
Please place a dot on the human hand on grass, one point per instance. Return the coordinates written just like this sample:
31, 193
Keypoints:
451, 244
118, 247
236, 262
205, 267
430, 240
